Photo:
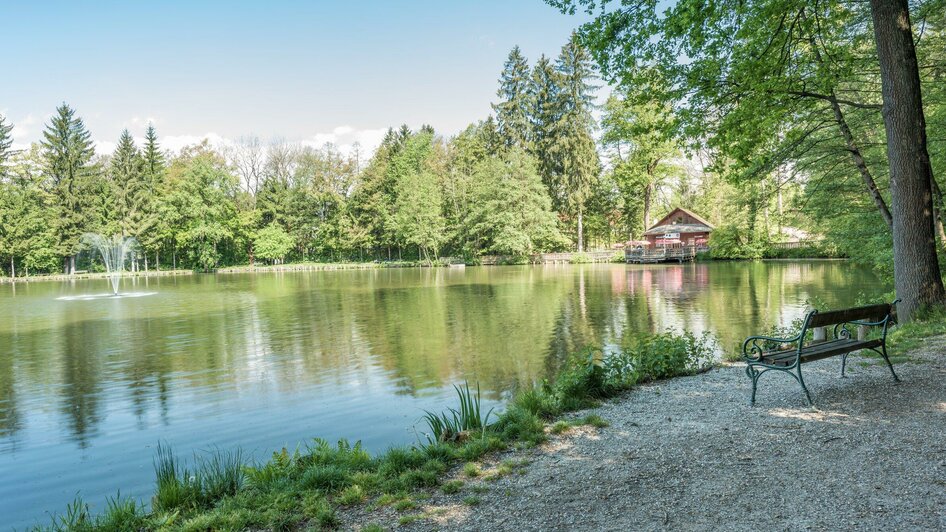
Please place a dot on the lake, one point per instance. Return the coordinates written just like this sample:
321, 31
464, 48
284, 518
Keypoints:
261, 361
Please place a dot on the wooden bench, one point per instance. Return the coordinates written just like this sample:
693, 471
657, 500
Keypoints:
765, 353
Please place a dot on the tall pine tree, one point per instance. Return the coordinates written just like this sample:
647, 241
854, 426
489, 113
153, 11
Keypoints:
68, 151
6, 143
515, 105
545, 115
572, 145
153, 172
129, 192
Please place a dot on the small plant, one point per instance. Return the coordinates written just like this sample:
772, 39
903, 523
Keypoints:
471, 470
122, 515
453, 424
560, 427
472, 500
405, 504
593, 420
351, 495
451, 487
405, 520
372, 527
76, 518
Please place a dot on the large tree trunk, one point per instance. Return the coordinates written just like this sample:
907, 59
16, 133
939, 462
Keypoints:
916, 268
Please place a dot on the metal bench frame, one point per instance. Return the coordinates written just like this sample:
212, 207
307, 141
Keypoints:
762, 353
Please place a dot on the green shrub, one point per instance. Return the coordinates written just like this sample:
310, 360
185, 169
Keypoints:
325, 477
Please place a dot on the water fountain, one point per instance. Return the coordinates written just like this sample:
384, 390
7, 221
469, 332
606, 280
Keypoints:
113, 250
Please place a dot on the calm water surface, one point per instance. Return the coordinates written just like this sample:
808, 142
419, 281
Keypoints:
262, 361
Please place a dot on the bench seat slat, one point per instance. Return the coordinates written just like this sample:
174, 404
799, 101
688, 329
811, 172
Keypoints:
869, 313
818, 351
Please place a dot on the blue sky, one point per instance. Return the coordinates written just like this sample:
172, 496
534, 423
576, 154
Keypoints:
305, 71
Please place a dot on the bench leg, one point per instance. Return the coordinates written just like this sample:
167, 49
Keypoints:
801, 381
754, 376
883, 351
843, 363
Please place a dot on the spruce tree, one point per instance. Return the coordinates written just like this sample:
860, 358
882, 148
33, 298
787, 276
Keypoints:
153, 171
515, 102
128, 187
545, 116
68, 151
573, 146
6, 143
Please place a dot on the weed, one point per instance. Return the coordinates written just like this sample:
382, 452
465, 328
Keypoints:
593, 420
405, 504
405, 520
472, 500
451, 487
560, 427
351, 495
471, 470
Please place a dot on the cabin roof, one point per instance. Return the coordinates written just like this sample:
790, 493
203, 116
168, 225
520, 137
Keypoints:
664, 221
678, 228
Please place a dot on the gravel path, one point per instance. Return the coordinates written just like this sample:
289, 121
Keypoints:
691, 454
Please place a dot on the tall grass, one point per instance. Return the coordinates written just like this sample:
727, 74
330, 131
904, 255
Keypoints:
217, 475
453, 424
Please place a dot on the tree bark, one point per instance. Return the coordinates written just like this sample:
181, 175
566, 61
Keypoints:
938, 211
859, 162
648, 194
12, 268
581, 230
916, 267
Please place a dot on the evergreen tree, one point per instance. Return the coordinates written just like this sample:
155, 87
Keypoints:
68, 155
6, 143
515, 102
129, 191
153, 172
573, 147
545, 116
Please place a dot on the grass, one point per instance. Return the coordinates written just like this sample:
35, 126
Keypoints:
304, 488
472, 500
451, 425
451, 487
471, 470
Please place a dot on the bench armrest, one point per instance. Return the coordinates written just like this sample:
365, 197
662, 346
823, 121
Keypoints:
752, 349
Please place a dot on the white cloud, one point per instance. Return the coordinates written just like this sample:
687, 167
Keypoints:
345, 137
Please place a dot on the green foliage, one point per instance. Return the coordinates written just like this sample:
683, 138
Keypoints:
514, 111
449, 425
510, 212
272, 243
218, 475
729, 242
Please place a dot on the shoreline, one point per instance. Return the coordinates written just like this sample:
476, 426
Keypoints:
93, 276
325, 266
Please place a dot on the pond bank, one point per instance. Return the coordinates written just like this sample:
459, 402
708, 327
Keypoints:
102, 275
690, 453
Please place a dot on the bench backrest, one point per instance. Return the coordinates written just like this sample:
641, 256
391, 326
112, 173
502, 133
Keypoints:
833, 317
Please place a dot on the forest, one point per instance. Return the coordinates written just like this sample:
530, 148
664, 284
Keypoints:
773, 121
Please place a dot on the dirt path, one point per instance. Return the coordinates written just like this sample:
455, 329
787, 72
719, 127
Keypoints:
690, 453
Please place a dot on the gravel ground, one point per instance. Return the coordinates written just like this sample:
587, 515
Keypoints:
691, 454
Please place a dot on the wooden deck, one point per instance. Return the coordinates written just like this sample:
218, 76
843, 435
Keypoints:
653, 256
